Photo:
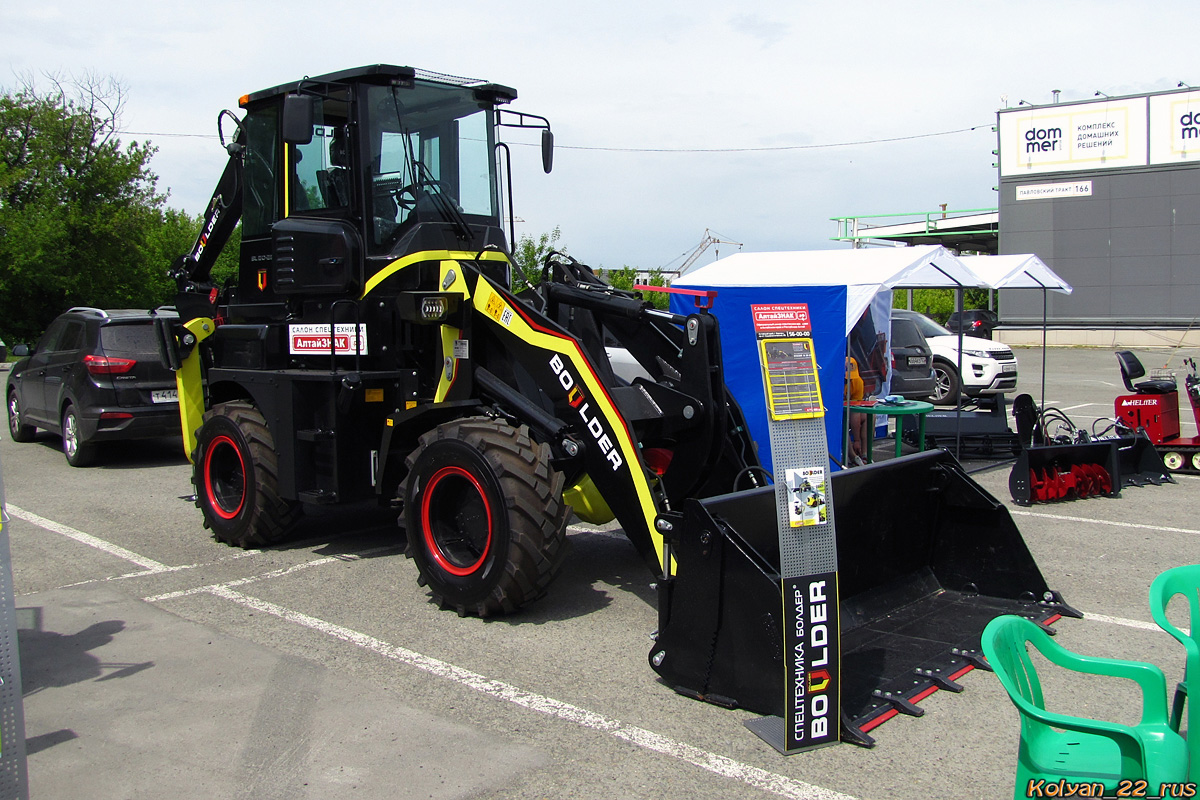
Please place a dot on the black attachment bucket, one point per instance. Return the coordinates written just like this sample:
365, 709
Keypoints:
1140, 463
926, 559
1047, 473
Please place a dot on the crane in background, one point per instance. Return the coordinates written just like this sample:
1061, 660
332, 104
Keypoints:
710, 238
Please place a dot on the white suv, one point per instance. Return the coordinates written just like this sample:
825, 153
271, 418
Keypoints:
987, 367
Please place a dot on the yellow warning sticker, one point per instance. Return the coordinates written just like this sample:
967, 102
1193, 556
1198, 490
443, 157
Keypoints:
495, 306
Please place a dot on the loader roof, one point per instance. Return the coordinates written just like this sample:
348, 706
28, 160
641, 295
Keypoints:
385, 74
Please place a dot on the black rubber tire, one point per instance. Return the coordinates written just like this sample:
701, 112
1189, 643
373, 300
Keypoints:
78, 452
235, 471
946, 383
484, 516
19, 431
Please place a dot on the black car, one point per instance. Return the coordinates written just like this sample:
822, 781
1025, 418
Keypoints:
94, 376
974, 321
912, 361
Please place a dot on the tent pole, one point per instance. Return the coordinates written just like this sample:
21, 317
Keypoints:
1045, 295
958, 406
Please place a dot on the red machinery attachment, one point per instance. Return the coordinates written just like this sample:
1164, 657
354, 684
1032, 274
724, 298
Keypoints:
1073, 481
1047, 473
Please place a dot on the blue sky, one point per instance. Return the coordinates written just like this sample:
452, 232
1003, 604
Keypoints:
759, 122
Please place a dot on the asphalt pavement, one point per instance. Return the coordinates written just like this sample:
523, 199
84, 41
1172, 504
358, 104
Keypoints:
157, 662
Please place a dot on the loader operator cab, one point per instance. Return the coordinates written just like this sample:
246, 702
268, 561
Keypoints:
347, 173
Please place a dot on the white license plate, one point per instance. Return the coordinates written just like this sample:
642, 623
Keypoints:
164, 396
917, 361
1007, 368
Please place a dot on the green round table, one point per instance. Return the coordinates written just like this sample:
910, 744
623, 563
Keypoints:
905, 409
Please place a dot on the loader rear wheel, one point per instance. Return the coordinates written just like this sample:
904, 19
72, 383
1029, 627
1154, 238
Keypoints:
235, 471
484, 516
1196, 461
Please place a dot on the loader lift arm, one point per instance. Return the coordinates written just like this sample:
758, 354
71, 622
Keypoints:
193, 269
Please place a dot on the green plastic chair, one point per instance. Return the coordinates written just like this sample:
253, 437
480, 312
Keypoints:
1183, 581
1058, 747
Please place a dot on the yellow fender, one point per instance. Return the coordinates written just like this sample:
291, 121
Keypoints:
190, 381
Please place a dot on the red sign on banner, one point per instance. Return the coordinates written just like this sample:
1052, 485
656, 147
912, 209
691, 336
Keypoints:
781, 317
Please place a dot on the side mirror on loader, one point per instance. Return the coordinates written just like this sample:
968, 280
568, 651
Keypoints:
298, 113
547, 150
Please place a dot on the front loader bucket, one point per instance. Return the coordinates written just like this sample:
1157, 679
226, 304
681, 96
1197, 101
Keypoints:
926, 558
1046, 473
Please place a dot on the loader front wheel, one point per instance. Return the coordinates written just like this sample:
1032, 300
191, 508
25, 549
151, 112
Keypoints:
484, 516
235, 471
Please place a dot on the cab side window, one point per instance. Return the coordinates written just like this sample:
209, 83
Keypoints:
320, 170
260, 208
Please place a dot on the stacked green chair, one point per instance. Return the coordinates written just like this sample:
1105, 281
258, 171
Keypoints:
1182, 581
1058, 747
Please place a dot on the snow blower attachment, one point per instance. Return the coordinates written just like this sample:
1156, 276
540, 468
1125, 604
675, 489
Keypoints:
1075, 465
927, 558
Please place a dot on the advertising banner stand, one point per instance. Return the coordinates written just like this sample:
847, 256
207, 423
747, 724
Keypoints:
807, 542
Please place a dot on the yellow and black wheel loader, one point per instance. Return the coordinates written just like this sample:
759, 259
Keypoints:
376, 343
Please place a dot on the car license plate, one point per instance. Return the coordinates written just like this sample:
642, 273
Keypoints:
164, 396
1007, 368
917, 361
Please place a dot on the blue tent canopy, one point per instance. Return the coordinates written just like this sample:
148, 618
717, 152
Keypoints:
837, 285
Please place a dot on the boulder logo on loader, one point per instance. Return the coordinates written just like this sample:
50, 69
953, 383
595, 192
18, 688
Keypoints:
577, 400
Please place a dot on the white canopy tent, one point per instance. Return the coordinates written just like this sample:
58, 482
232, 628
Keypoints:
1023, 271
864, 272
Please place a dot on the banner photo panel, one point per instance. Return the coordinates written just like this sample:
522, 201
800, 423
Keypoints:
1066, 138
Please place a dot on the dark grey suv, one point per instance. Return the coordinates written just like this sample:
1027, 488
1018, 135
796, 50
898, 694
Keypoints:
94, 376
912, 361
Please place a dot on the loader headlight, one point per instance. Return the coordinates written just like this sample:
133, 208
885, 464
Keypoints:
429, 308
434, 309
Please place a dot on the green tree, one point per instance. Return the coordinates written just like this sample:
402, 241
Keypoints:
627, 277
530, 253
939, 303
81, 221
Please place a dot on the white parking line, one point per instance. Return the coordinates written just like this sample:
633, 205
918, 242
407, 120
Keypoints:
1128, 623
277, 573
90, 541
723, 766
774, 783
1090, 521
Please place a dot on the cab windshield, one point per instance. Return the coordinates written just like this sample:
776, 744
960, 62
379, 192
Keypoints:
430, 158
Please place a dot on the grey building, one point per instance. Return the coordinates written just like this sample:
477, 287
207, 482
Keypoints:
1107, 193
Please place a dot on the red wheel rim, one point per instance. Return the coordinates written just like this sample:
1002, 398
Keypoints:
453, 499
224, 477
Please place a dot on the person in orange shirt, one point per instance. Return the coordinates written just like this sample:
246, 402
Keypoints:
858, 421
